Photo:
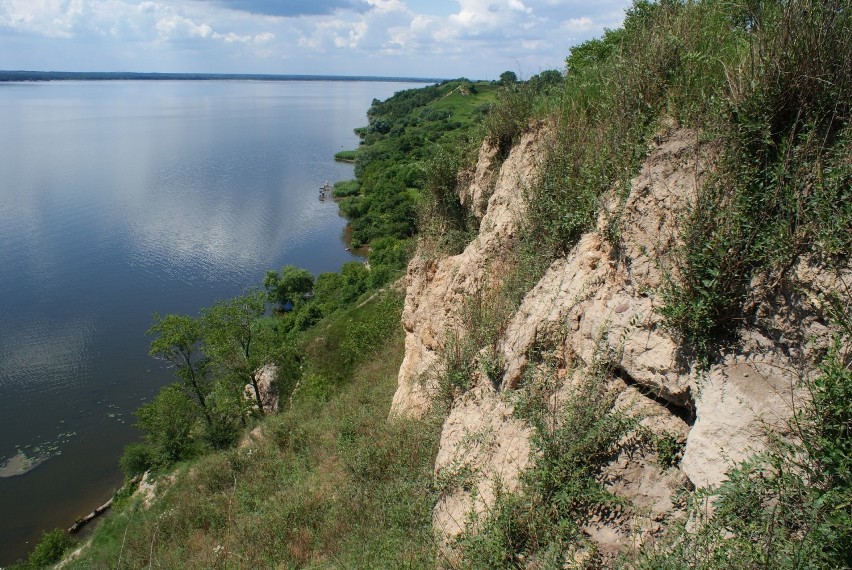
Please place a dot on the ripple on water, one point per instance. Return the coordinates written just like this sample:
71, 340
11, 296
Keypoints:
44, 355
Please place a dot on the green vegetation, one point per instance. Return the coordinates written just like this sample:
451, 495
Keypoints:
288, 287
768, 83
221, 352
49, 550
391, 163
573, 441
346, 155
782, 188
330, 483
788, 507
346, 188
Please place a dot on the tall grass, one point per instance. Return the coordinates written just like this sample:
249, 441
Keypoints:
576, 433
330, 484
770, 82
782, 117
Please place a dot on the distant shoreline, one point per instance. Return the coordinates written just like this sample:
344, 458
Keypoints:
6, 76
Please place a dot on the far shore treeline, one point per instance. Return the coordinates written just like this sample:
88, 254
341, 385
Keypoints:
136, 76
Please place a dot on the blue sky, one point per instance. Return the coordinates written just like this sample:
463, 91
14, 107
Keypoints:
478, 39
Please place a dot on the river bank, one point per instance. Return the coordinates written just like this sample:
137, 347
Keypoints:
156, 227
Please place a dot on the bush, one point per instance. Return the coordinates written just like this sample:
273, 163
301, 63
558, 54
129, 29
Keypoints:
49, 549
136, 459
167, 423
783, 123
288, 287
510, 116
786, 508
572, 442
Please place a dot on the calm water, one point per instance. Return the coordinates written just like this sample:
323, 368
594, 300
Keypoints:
121, 199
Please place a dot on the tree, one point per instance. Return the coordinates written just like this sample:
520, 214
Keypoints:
546, 79
234, 340
49, 549
178, 342
290, 285
167, 422
508, 78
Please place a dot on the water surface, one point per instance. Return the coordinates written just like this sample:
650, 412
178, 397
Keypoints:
121, 199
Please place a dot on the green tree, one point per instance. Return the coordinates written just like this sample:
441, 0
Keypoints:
290, 285
167, 422
49, 549
508, 78
235, 341
228, 409
178, 342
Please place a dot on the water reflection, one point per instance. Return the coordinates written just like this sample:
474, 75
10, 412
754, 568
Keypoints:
118, 200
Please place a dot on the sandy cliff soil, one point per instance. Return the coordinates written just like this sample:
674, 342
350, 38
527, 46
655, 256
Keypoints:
596, 297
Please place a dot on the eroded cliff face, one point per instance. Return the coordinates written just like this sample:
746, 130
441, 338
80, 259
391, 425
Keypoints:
592, 298
438, 290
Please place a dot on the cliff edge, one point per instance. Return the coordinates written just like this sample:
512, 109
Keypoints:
594, 316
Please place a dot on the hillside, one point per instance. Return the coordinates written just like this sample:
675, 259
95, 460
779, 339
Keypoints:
644, 348
625, 335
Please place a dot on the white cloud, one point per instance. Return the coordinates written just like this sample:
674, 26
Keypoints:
475, 38
178, 27
577, 24
385, 6
50, 18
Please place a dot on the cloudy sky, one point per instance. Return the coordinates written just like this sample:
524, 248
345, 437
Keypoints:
414, 38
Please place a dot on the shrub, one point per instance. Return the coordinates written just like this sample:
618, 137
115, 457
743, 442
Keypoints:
787, 507
136, 459
289, 286
572, 442
782, 121
49, 549
167, 423
510, 116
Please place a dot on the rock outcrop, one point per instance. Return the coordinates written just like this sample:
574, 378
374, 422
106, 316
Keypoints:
592, 298
267, 376
438, 291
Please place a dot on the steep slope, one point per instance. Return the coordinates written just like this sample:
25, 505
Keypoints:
600, 304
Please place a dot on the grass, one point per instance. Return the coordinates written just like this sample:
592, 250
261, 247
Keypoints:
346, 155
787, 507
573, 440
768, 82
333, 484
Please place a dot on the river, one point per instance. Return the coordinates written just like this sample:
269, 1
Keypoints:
119, 199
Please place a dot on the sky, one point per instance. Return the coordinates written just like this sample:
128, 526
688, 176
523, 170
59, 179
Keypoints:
477, 39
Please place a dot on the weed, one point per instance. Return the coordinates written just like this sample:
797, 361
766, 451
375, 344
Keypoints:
787, 507
576, 433
782, 120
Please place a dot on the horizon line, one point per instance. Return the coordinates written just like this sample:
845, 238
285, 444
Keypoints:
31, 75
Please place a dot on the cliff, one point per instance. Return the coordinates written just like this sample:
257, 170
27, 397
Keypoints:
594, 316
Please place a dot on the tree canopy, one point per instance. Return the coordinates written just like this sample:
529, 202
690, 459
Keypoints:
179, 342
235, 342
288, 286
508, 77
